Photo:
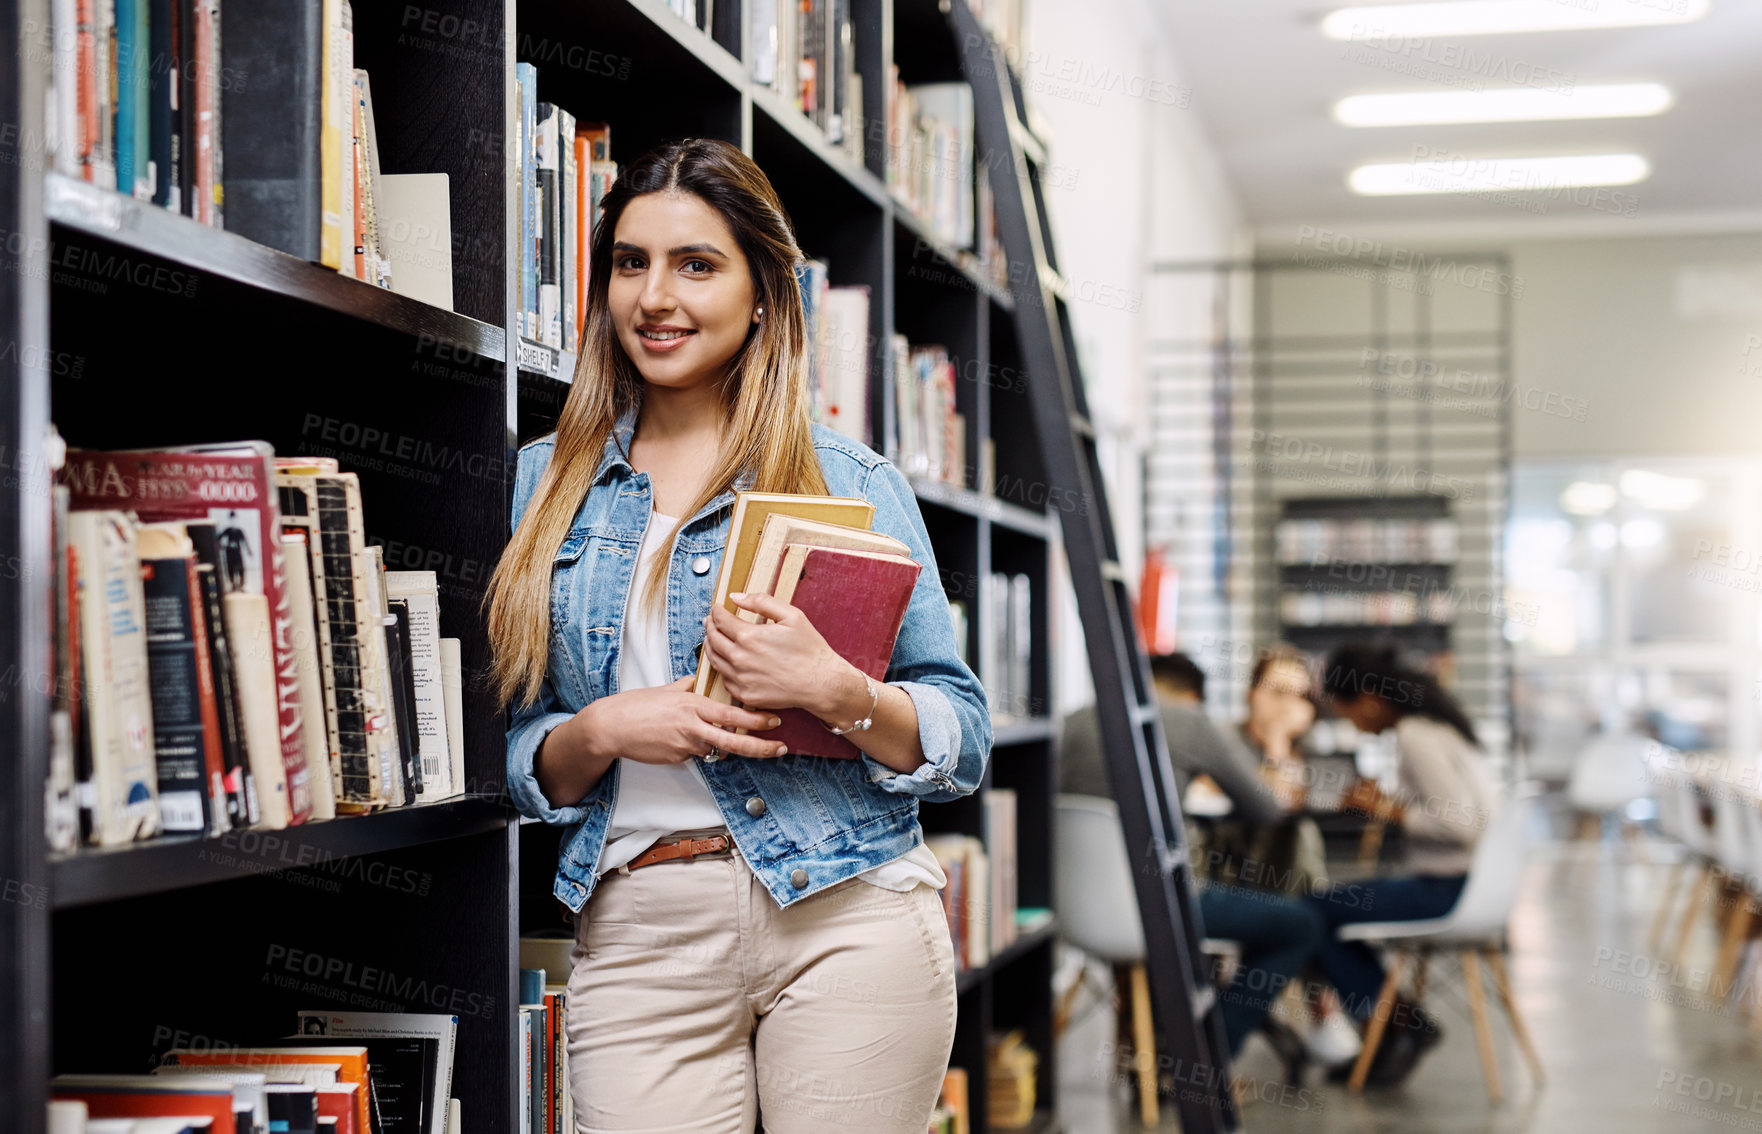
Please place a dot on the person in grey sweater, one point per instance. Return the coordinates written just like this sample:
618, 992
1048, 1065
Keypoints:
1278, 935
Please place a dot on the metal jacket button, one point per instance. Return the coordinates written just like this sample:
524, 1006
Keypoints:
700, 565
799, 879
755, 807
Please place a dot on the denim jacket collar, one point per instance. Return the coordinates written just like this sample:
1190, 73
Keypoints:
624, 431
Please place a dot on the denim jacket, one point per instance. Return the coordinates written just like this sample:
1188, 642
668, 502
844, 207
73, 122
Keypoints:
803, 823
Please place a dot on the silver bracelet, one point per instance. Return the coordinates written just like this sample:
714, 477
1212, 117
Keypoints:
863, 724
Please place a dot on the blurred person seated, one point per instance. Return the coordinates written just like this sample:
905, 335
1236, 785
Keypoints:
1281, 710
1278, 935
1445, 798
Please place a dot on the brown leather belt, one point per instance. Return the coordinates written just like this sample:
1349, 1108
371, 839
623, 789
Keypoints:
681, 848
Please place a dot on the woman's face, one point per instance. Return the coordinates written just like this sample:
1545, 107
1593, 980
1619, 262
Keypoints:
1366, 711
1279, 702
681, 293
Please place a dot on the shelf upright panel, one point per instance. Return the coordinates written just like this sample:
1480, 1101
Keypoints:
24, 571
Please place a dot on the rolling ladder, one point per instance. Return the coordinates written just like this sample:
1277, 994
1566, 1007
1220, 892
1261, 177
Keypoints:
1136, 753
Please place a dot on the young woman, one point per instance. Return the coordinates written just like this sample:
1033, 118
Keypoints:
1445, 798
754, 929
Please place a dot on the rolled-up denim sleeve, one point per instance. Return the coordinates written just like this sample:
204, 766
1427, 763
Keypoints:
531, 723
954, 721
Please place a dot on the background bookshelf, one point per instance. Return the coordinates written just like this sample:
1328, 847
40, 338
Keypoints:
216, 939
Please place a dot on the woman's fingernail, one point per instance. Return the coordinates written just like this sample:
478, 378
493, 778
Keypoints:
738, 596
775, 721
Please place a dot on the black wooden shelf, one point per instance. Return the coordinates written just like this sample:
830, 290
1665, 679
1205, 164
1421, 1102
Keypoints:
1020, 730
1023, 945
981, 505
164, 235
960, 260
814, 140
159, 865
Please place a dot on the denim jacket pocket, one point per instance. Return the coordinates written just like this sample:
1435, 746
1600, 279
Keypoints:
565, 586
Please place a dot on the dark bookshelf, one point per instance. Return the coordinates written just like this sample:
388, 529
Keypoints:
254, 343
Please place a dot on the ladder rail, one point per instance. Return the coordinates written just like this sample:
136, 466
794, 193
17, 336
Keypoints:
1135, 748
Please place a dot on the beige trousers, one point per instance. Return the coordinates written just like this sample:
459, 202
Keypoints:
694, 1002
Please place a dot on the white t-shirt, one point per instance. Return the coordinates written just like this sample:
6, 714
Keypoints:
658, 799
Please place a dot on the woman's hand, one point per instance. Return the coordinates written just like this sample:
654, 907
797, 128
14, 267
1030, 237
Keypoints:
669, 724
782, 664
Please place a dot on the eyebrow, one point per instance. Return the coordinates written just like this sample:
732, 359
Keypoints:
682, 250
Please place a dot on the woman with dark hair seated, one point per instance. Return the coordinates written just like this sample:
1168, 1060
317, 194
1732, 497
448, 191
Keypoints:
1444, 800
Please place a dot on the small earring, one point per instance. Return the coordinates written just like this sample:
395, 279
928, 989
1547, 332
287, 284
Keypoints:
761, 312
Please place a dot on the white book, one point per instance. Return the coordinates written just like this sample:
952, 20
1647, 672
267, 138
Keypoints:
1021, 641
383, 723
247, 1088
442, 1028
416, 235
67, 1116
455, 1126
124, 790
302, 612
844, 317
453, 694
248, 633
421, 591
763, 40
550, 295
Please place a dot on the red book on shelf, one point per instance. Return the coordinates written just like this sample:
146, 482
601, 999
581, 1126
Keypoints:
140, 1096
857, 601
232, 486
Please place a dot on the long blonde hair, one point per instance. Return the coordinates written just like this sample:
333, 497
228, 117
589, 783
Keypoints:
764, 391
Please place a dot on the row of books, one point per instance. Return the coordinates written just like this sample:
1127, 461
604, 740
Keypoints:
980, 898
837, 320
805, 50
1407, 540
930, 155
546, 1104
1005, 651
229, 651
242, 115
1367, 608
930, 438
339, 1073
566, 167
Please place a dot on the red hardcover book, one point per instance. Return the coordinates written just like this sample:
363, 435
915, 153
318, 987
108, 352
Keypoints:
128, 1097
338, 1102
857, 601
231, 486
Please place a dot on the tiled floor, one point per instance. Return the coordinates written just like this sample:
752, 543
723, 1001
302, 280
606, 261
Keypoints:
1627, 1047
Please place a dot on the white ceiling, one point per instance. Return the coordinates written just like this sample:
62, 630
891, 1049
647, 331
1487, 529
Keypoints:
1264, 80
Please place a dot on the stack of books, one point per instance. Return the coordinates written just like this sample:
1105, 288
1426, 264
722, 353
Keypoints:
1010, 1081
931, 441
339, 1073
229, 652
546, 1105
818, 554
930, 155
566, 168
837, 321
805, 50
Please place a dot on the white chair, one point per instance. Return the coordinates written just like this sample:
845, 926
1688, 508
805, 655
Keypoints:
1474, 927
1679, 814
1098, 913
1736, 859
1608, 774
